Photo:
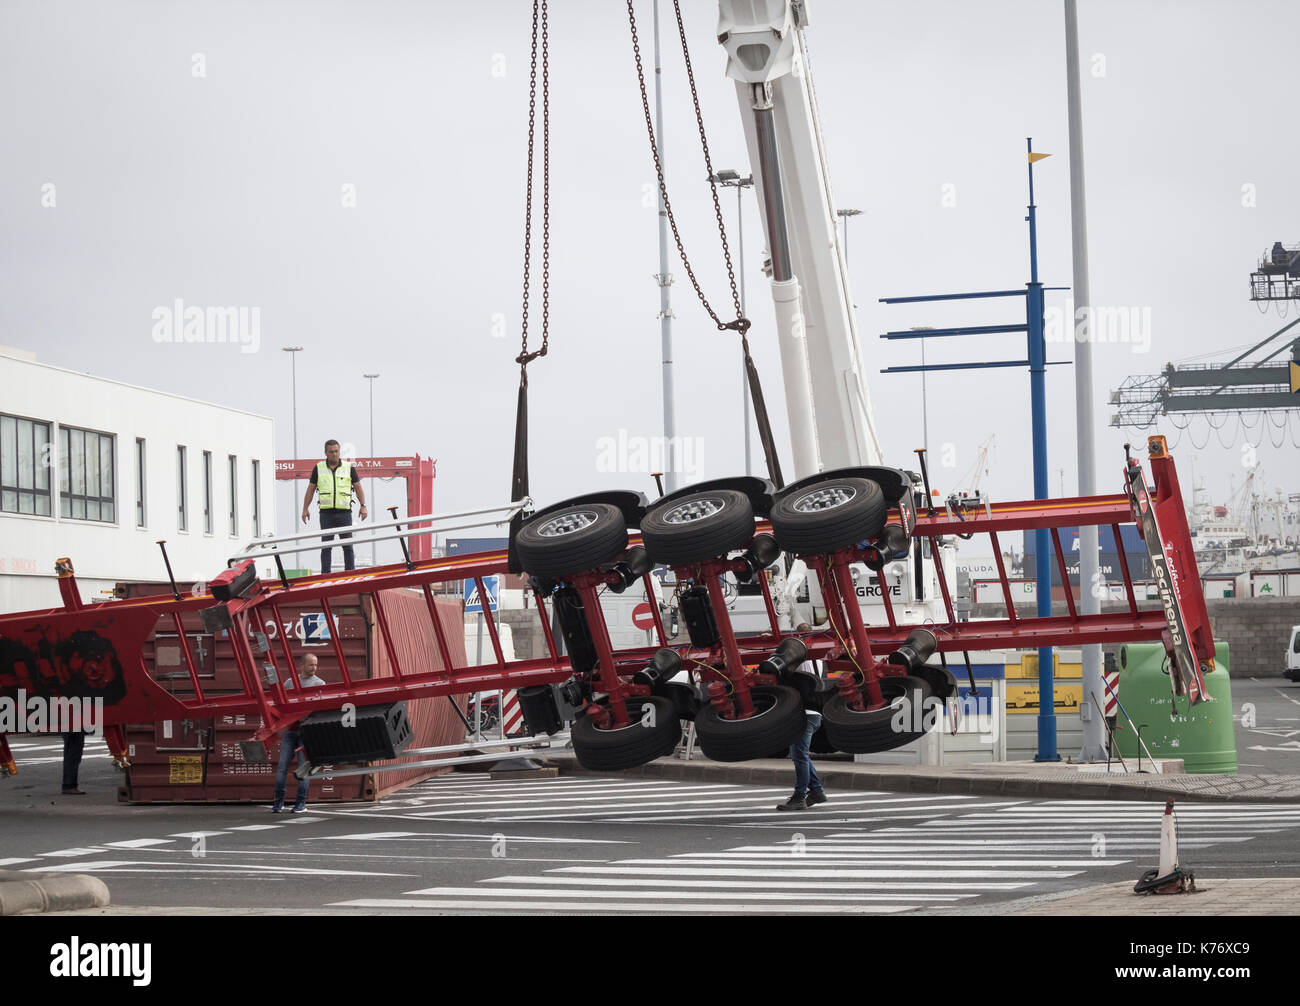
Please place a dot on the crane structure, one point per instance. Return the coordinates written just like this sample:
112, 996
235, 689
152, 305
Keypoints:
1240, 385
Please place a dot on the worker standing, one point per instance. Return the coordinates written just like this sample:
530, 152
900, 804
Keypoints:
291, 742
335, 481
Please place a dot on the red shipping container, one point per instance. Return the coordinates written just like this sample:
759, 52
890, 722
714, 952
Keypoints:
182, 761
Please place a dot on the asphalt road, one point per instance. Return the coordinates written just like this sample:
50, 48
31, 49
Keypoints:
589, 845
1272, 744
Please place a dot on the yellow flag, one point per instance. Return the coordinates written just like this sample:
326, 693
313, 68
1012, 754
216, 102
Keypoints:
1037, 157
1295, 377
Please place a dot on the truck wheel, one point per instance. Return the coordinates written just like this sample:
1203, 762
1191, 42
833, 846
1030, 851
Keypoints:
883, 729
627, 747
698, 526
829, 515
819, 744
778, 721
572, 540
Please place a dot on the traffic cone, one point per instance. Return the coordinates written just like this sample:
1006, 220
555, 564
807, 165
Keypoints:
1169, 877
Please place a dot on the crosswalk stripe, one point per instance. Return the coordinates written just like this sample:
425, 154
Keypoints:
781, 858
974, 886
712, 908
812, 873
582, 892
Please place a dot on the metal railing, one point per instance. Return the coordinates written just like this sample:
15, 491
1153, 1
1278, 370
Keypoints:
357, 533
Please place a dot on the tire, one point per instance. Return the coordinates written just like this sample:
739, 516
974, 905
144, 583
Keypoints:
942, 682
629, 746
874, 730
779, 722
829, 515
572, 540
698, 526
819, 744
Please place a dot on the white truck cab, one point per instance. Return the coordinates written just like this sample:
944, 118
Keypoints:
1292, 659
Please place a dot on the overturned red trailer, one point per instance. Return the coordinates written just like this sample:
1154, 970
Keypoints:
746, 695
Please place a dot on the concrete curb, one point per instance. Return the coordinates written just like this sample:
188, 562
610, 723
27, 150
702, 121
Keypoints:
34, 893
1074, 786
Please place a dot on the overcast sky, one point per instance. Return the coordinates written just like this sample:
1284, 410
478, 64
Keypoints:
212, 152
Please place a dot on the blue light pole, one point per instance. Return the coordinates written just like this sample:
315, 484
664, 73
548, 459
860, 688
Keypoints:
1038, 422
1037, 363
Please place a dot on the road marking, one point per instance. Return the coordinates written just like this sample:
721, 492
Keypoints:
813, 873
14, 861
72, 852
619, 907
138, 843
848, 885
255, 827
784, 857
202, 865
581, 892
387, 836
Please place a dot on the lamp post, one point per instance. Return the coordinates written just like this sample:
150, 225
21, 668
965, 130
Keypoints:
729, 178
293, 352
844, 215
925, 410
370, 379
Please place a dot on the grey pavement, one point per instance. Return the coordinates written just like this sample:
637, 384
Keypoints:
1058, 780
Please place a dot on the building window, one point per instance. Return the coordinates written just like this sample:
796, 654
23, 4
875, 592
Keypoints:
257, 500
182, 503
86, 487
234, 495
139, 482
24, 466
207, 492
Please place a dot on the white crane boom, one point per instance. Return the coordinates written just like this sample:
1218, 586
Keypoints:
820, 357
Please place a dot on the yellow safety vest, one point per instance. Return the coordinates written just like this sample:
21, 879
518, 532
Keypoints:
334, 488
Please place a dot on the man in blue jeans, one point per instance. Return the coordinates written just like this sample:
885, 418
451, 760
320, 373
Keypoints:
808, 791
291, 742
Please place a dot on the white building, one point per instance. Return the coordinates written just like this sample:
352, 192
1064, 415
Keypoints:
99, 471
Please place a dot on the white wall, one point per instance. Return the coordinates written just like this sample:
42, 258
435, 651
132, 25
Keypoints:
104, 553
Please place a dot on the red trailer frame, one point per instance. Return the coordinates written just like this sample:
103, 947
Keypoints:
97, 650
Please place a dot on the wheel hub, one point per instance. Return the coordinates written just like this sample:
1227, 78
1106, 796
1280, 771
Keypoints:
694, 510
824, 498
567, 523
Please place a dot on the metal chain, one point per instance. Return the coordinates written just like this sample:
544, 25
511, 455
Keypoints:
539, 8
741, 324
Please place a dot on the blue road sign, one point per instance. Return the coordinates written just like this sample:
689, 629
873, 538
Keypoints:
473, 603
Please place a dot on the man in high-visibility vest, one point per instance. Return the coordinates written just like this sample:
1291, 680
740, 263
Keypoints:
335, 481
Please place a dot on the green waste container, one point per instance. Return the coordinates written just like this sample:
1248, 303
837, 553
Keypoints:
1203, 737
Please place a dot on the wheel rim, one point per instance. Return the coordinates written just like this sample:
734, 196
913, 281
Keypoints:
886, 686
567, 523
823, 498
694, 510
765, 699
634, 713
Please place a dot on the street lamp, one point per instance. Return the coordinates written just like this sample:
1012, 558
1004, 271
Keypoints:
731, 179
370, 378
845, 214
293, 352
